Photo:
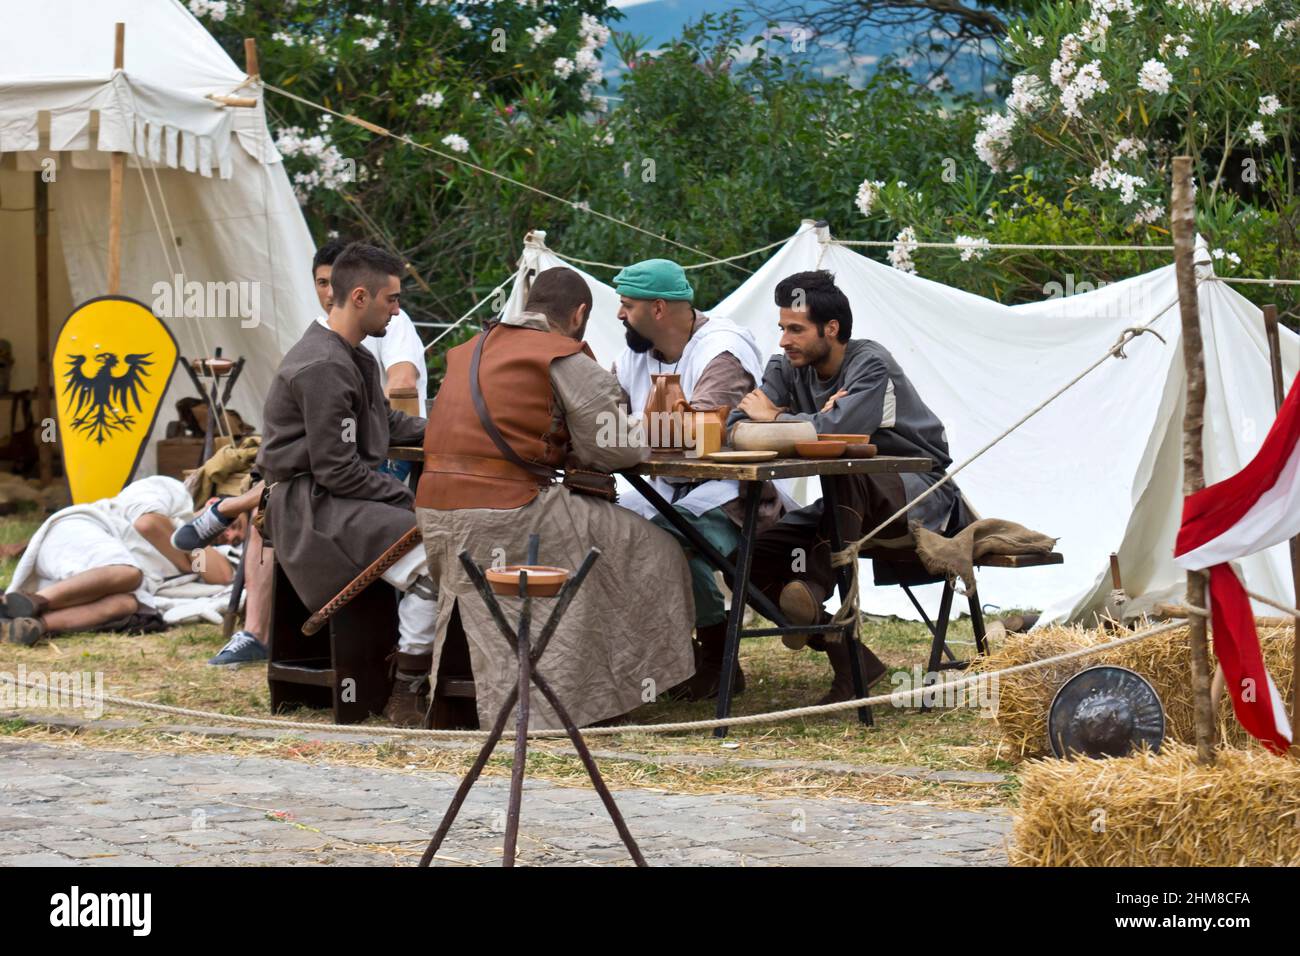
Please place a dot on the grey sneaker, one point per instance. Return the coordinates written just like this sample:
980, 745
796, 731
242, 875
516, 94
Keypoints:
201, 530
242, 648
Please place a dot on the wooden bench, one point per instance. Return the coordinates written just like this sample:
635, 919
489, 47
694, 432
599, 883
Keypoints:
902, 567
346, 669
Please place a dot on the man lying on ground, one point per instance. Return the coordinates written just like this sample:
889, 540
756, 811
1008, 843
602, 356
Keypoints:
490, 481
330, 511
99, 564
842, 386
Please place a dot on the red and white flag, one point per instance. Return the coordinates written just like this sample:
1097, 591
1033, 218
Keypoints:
1254, 509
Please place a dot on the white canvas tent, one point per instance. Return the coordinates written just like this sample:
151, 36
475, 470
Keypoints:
232, 211
1100, 467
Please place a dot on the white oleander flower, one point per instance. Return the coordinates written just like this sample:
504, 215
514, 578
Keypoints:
1028, 93
542, 32
900, 256
1150, 212
1127, 147
868, 193
434, 99
1268, 105
971, 247
993, 142
1086, 84
563, 67
1255, 133
1154, 77
456, 143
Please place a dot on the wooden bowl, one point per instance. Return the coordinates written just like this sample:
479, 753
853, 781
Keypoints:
860, 450
847, 439
820, 449
543, 580
779, 437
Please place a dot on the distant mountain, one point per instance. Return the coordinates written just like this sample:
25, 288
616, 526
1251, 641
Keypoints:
659, 21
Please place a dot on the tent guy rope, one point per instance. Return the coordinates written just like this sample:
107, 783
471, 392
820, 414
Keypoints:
573, 204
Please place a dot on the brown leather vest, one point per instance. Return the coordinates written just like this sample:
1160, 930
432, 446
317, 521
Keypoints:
462, 466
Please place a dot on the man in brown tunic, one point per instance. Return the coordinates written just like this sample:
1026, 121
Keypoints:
328, 428
627, 635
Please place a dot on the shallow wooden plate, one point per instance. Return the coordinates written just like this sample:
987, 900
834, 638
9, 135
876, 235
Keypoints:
741, 456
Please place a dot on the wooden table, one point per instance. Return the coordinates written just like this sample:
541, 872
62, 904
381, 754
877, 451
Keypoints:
413, 454
752, 476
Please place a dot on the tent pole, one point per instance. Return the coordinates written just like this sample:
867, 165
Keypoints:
43, 389
1279, 394
250, 58
1183, 215
116, 174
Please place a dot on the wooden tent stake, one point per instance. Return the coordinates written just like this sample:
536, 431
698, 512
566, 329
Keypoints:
1279, 395
43, 376
1183, 216
116, 175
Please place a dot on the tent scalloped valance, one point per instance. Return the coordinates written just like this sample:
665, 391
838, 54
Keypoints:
163, 127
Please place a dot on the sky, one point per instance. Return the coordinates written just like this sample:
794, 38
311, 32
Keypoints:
660, 20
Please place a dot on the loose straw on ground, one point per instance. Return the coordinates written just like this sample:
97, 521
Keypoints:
898, 699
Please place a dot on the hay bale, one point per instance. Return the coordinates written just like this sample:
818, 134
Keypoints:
1159, 810
1164, 660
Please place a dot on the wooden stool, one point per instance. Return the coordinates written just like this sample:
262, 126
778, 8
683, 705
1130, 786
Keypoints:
902, 566
346, 670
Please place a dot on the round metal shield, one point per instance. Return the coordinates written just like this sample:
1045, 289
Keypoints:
1105, 711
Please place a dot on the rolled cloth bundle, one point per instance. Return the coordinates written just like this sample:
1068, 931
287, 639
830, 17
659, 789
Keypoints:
957, 556
225, 473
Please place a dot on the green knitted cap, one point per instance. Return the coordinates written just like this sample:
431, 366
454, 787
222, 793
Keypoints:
654, 279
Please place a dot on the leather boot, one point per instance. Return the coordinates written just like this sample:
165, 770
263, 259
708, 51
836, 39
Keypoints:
710, 645
801, 602
873, 668
409, 700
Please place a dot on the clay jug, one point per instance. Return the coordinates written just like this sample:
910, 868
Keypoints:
663, 420
702, 427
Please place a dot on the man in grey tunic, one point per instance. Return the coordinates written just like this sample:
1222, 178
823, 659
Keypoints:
843, 386
328, 427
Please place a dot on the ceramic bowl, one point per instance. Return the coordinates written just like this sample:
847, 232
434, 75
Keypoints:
543, 580
820, 449
848, 439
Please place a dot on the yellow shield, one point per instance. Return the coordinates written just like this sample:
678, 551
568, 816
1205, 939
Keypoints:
112, 364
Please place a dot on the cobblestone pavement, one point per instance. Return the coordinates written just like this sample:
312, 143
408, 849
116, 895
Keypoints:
66, 806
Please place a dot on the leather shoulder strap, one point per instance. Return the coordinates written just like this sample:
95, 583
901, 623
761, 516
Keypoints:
485, 418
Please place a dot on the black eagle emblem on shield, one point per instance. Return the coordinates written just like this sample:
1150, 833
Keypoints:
103, 399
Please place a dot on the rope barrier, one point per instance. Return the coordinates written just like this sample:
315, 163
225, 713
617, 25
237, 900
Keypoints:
898, 699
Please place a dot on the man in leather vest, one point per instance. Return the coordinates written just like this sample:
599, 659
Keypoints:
519, 402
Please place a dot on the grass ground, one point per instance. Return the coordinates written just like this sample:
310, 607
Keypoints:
170, 668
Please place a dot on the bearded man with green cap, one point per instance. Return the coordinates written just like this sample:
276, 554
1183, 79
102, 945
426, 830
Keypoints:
719, 363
